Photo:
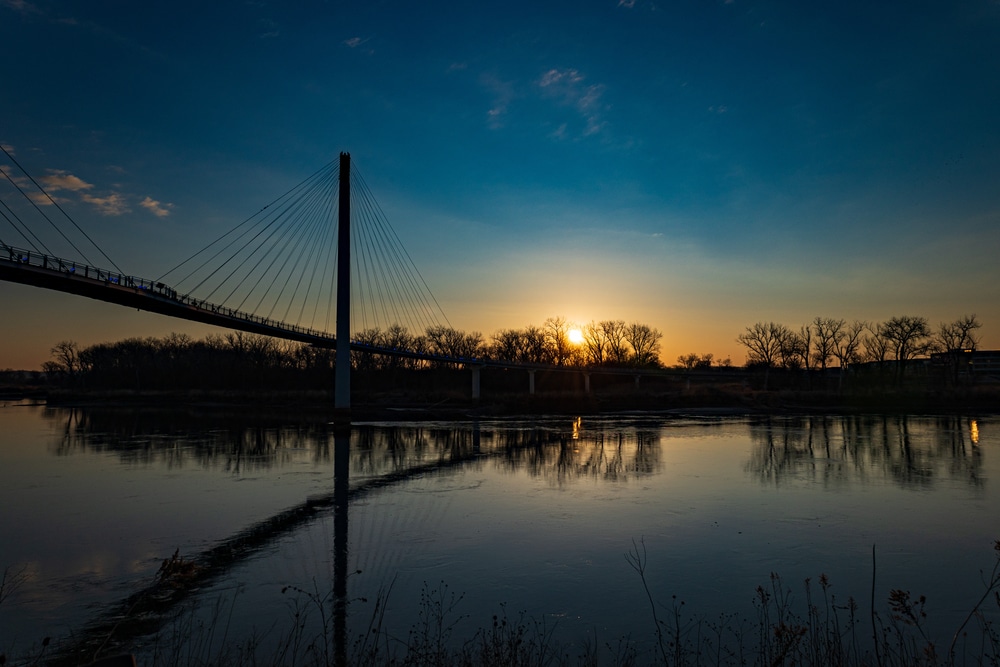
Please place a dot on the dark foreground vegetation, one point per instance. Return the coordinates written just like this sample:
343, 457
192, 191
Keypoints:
809, 626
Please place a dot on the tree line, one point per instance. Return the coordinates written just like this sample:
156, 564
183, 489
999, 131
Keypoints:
604, 343
826, 340
238, 359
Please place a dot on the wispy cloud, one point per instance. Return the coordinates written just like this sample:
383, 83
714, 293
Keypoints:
503, 94
569, 88
357, 43
269, 28
44, 199
159, 209
628, 4
57, 179
19, 6
113, 204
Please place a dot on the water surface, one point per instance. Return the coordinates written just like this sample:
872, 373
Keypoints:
514, 515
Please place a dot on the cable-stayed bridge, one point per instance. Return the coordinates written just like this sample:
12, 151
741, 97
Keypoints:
322, 251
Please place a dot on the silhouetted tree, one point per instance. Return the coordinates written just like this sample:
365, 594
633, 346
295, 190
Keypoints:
764, 341
806, 337
908, 337
958, 335
645, 343
953, 338
537, 350
617, 344
875, 343
451, 342
508, 345
794, 350
557, 338
694, 360
65, 358
848, 347
829, 332
595, 344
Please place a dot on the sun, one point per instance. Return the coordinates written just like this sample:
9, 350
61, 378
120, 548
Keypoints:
575, 336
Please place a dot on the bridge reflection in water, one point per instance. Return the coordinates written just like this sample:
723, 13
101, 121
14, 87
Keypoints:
609, 480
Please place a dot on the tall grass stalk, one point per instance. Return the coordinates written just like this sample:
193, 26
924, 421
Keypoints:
781, 632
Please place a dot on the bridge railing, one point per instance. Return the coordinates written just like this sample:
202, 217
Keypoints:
162, 290
42, 261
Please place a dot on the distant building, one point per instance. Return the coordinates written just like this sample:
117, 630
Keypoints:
978, 364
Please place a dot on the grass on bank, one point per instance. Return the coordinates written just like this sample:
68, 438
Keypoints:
824, 631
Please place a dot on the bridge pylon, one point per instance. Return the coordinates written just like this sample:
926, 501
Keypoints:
342, 386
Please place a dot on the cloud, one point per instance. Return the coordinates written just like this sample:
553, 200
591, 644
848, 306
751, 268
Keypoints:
628, 4
503, 94
555, 77
269, 29
58, 179
158, 209
40, 199
19, 6
113, 204
569, 88
9, 148
356, 42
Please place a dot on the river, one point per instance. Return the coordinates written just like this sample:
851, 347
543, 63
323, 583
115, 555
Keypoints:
538, 520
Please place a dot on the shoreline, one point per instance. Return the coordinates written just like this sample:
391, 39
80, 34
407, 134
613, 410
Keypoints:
405, 407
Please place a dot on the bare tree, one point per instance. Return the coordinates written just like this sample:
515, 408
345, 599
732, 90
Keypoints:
875, 343
958, 335
595, 344
536, 346
450, 342
848, 348
954, 338
908, 337
829, 333
645, 342
794, 350
557, 338
66, 358
805, 335
763, 342
695, 360
614, 334
508, 345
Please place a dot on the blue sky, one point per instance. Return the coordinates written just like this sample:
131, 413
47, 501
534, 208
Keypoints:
695, 165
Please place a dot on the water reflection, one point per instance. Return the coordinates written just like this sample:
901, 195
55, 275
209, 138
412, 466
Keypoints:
557, 450
834, 451
462, 498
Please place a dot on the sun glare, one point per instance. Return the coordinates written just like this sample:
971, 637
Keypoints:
575, 336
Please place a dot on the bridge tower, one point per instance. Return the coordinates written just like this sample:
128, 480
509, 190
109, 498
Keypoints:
342, 386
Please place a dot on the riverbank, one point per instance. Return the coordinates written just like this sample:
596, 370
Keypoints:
410, 405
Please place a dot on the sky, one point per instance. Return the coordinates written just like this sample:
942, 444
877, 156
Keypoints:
694, 165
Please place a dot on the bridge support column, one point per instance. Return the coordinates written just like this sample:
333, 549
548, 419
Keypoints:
342, 388
475, 382
637, 381
586, 383
531, 382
